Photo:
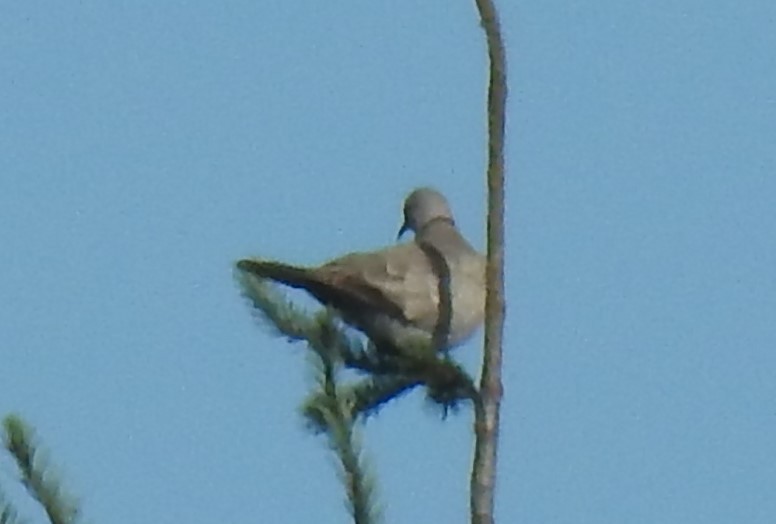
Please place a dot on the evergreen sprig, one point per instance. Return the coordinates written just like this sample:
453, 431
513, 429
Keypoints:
391, 372
36, 475
332, 414
335, 406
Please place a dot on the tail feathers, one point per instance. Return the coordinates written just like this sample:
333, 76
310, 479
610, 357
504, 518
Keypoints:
294, 276
332, 286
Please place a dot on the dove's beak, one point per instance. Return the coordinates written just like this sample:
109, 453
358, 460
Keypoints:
403, 229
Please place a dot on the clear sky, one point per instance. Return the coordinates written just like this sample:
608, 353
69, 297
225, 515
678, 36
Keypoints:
145, 146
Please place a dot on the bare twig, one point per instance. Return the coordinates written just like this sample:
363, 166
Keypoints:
486, 425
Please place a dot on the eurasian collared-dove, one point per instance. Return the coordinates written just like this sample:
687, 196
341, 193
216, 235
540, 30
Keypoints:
431, 289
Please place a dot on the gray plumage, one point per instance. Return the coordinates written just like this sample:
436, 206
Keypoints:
431, 289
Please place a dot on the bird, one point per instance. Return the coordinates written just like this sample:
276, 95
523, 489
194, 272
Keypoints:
430, 290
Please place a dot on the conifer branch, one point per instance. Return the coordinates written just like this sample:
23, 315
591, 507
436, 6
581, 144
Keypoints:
19, 440
362, 398
332, 415
392, 371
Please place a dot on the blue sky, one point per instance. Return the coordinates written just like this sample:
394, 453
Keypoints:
145, 146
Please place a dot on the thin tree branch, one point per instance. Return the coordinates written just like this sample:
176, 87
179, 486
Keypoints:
486, 425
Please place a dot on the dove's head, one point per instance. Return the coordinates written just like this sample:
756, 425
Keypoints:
422, 206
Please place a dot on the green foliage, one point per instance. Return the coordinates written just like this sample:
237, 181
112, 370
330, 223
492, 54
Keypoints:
332, 414
388, 372
35, 475
334, 406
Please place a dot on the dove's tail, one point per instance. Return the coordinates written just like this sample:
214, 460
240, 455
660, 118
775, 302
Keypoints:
294, 276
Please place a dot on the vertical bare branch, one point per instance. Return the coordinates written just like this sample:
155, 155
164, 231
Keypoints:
486, 424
